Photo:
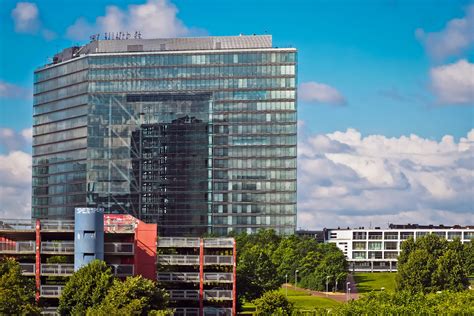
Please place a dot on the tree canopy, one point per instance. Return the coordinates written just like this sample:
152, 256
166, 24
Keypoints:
273, 303
17, 292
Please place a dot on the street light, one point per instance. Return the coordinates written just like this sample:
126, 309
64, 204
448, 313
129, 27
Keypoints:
296, 278
327, 284
286, 284
348, 290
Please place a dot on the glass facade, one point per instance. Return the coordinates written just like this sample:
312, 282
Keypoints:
198, 142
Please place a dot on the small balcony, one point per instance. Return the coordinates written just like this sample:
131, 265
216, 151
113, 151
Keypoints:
217, 295
218, 277
178, 242
189, 277
17, 247
27, 268
57, 269
184, 295
122, 270
119, 248
179, 260
53, 247
219, 243
218, 260
51, 290
217, 311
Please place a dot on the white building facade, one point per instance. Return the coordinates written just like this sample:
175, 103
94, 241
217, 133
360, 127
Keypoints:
372, 250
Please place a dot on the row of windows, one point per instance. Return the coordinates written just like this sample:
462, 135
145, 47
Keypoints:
374, 255
249, 152
254, 117
254, 106
61, 93
62, 199
255, 129
60, 157
60, 178
254, 208
262, 174
253, 220
255, 186
60, 136
190, 84
407, 234
60, 104
192, 59
191, 72
388, 245
60, 115
62, 70
63, 146
59, 168
61, 81
255, 163
59, 126
59, 189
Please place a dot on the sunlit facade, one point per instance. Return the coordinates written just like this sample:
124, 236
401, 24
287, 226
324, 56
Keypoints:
195, 134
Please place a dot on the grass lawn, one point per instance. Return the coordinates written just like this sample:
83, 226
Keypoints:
367, 282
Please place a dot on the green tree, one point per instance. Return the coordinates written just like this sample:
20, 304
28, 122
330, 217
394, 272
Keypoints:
273, 303
86, 288
431, 263
17, 292
134, 296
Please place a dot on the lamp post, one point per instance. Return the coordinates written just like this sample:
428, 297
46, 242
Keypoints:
348, 290
327, 285
349, 293
335, 290
296, 278
286, 284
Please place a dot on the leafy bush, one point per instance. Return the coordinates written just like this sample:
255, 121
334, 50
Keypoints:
273, 303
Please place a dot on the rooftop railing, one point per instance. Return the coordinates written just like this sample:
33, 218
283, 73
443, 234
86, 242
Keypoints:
57, 225
178, 242
17, 247
218, 295
57, 247
178, 259
51, 290
16, 224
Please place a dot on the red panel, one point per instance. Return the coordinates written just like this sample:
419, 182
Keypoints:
201, 277
234, 285
38, 259
145, 250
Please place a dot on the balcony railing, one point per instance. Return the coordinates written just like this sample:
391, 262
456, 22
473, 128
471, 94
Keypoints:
216, 311
186, 311
218, 260
52, 269
53, 247
218, 242
180, 260
184, 295
51, 290
122, 270
119, 248
17, 224
178, 242
17, 247
27, 268
178, 276
218, 277
126, 227
52, 225
218, 295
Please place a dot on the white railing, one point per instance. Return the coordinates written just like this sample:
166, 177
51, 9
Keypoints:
178, 259
51, 290
184, 295
119, 248
57, 269
218, 277
218, 242
17, 247
176, 242
178, 276
57, 247
218, 295
27, 268
217, 311
122, 270
218, 260
17, 224
52, 225
186, 311
50, 311
119, 227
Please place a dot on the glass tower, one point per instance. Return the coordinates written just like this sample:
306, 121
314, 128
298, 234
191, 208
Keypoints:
195, 134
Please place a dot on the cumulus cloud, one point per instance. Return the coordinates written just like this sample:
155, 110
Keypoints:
26, 18
10, 140
12, 91
454, 83
314, 92
15, 185
155, 18
453, 40
348, 180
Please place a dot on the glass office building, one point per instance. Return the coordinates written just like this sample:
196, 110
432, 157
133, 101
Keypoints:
195, 134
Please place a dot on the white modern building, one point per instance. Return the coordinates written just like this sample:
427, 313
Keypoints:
376, 249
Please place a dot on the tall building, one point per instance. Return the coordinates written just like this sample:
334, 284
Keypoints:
195, 134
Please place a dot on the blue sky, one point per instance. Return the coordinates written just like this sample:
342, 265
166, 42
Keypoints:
373, 74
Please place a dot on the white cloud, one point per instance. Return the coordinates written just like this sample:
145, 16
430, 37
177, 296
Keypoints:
345, 179
11, 140
12, 91
314, 92
15, 185
453, 40
454, 83
26, 17
154, 19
